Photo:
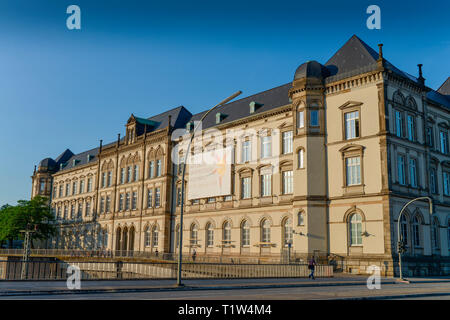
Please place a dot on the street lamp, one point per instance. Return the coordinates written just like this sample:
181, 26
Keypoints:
400, 244
180, 244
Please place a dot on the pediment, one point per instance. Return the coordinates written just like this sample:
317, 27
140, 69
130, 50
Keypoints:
350, 104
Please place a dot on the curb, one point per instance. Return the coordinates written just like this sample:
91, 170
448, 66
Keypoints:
400, 296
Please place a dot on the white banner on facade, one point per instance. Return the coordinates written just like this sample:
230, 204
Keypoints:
210, 174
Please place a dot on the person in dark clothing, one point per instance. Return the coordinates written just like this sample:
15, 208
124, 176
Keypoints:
311, 266
194, 254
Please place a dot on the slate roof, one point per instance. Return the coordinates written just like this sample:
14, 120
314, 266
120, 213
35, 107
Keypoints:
267, 100
445, 87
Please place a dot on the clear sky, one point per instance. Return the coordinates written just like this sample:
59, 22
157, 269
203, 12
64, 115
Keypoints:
63, 88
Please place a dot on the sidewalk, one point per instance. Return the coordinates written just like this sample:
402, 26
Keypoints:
20, 288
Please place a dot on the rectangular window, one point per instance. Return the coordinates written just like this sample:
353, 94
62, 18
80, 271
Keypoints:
301, 119
82, 186
287, 142
443, 141
401, 169
74, 188
301, 159
102, 204
109, 178
72, 211
89, 185
157, 197
353, 170
121, 202
41, 185
127, 201
178, 196
288, 182
150, 198
351, 125
266, 188
227, 198
446, 178
66, 209
246, 151
135, 173
122, 175
398, 124
211, 200
151, 169
314, 118
411, 128
80, 210
67, 189
129, 174
134, 201
429, 134
246, 188
413, 172
433, 185
266, 147
108, 203
60, 191
158, 167
103, 179
88, 208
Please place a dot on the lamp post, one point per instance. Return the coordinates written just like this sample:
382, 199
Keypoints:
400, 245
180, 243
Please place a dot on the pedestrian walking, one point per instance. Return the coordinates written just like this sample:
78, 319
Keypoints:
311, 266
156, 252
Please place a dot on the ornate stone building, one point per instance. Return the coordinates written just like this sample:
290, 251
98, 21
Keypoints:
352, 141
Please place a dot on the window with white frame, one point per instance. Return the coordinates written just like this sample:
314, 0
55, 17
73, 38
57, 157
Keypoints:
88, 208
245, 234
401, 169
446, 183
158, 167
129, 174
301, 218
287, 232
287, 142
109, 179
266, 147
443, 138
355, 229
155, 234
102, 205
108, 203
149, 198
265, 231
103, 179
398, 124
122, 175
351, 125
413, 172
209, 235
147, 236
151, 169
226, 233
301, 119
246, 151
74, 188
89, 188
301, 157
266, 188
157, 197
353, 171
194, 234
411, 127
82, 186
135, 173
134, 201
121, 202
127, 201
246, 188
288, 182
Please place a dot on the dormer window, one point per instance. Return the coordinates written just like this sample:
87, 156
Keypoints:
254, 106
219, 117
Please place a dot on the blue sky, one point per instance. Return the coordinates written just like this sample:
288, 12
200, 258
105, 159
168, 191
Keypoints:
63, 88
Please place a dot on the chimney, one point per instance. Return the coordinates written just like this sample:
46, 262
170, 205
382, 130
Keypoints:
421, 78
380, 51
170, 121
101, 145
34, 172
118, 140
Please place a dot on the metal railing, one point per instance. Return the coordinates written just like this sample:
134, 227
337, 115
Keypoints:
58, 270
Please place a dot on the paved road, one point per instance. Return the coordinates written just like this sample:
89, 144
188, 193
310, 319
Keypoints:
440, 290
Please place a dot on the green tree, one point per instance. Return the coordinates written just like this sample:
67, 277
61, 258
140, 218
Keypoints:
32, 214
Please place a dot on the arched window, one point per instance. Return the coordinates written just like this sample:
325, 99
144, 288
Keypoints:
265, 231
416, 231
301, 218
245, 234
209, 235
287, 232
226, 233
155, 236
404, 229
301, 156
355, 229
147, 236
435, 233
194, 234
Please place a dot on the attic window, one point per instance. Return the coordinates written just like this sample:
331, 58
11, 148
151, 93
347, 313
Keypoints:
75, 162
189, 126
89, 157
219, 117
254, 106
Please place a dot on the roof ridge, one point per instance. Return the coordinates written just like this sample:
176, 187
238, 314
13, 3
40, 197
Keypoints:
443, 84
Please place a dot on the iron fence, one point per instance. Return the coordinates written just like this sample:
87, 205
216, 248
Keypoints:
58, 270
